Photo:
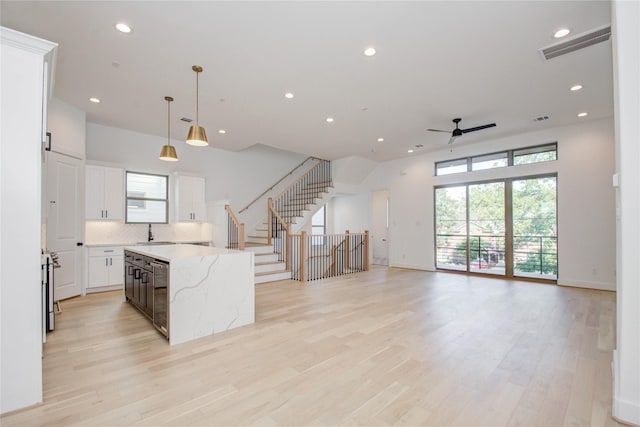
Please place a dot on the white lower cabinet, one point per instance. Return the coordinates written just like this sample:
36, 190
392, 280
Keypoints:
106, 267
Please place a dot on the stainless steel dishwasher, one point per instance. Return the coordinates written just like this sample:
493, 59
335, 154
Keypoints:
160, 294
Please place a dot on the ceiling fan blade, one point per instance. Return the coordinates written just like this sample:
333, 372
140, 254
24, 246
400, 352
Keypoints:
453, 138
490, 125
438, 130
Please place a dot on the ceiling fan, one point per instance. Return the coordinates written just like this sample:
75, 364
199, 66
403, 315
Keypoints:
459, 132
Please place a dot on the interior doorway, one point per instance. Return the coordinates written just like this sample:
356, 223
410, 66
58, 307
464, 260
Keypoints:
380, 227
64, 204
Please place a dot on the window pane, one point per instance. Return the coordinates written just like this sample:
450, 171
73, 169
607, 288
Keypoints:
490, 161
486, 228
535, 237
451, 228
151, 212
146, 186
451, 166
146, 198
543, 153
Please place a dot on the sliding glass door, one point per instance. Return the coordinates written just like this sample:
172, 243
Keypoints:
505, 227
535, 234
486, 228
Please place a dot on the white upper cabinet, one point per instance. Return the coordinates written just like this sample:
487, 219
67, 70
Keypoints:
190, 203
67, 125
104, 193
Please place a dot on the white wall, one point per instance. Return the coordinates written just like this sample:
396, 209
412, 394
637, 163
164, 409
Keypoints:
23, 67
235, 176
586, 213
351, 212
626, 361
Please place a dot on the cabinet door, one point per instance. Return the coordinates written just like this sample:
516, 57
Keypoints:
128, 280
184, 199
113, 193
94, 193
197, 197
98, 271
116, 270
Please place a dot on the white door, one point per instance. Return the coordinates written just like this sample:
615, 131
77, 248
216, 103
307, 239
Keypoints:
380, 227
64, 222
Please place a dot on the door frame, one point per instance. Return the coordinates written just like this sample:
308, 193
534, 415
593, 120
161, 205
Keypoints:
508, 205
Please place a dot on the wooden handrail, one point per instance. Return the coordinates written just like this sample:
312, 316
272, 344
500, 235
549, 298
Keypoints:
299, 179
239, 225
278, 182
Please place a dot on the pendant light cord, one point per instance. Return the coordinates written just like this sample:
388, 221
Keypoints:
197, 99
168, 122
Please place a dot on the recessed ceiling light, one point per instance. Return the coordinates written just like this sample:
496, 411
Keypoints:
369, 51
561, 33
380, 139
222, 131
583, 114
575, 88
329, 119
123, 28
94, 100
288, 95
409, 151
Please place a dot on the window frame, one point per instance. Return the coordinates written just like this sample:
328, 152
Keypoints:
145, 199
510, 155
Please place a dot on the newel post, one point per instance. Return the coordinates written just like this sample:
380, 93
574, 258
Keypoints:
366, 250
269, 219
303, 256
241, 237
347, 248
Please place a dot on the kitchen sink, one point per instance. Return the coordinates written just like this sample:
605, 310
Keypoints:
156, 243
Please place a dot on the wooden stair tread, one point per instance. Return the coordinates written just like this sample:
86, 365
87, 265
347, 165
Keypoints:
267, 273
269, 263
254, 244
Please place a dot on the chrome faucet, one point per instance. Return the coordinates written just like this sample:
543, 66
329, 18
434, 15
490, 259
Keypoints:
150, 236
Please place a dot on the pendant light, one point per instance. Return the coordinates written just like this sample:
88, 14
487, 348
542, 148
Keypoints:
168, 152
197, 136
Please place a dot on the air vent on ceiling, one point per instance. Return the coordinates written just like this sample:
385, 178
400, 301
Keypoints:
541, 118
596, 36
186, 119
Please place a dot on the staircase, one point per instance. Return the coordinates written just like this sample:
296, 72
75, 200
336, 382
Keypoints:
295, 205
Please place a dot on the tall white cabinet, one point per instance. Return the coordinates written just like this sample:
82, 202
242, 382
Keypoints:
104, 193
26, 66
190, 199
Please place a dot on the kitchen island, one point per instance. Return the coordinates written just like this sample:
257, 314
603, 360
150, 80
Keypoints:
197, 290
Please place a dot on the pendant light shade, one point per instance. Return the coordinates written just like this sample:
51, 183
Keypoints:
168, 152
197, 136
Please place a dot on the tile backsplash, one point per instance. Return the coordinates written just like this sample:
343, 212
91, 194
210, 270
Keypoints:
106, 232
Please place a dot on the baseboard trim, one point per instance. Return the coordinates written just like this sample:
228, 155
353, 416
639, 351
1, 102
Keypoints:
621, 410
600, 286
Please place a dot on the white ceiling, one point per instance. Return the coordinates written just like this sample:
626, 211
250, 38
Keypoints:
435, 61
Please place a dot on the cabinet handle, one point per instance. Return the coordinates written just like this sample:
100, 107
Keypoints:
106, 214
129, 270
136, 273
109, 250
48, 146
106, 261
110, 261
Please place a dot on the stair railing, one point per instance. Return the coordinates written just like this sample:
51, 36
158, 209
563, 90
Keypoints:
319, 256
235, 231
278, 235
295, 198
278, 182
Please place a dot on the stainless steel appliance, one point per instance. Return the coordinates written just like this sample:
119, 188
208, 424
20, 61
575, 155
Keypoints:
160, 305
145, 286
47, 264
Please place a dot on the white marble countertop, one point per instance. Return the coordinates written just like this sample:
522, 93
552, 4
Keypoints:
179, 251
99, 245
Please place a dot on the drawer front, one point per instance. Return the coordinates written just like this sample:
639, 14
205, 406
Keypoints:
106, 251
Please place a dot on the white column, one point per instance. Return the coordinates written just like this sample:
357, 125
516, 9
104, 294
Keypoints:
626, 361
24, 74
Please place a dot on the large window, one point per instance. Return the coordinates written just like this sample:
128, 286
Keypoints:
147, 198
521, 156
505, 227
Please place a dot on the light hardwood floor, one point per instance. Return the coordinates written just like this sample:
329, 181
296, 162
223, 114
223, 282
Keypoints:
388, 346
